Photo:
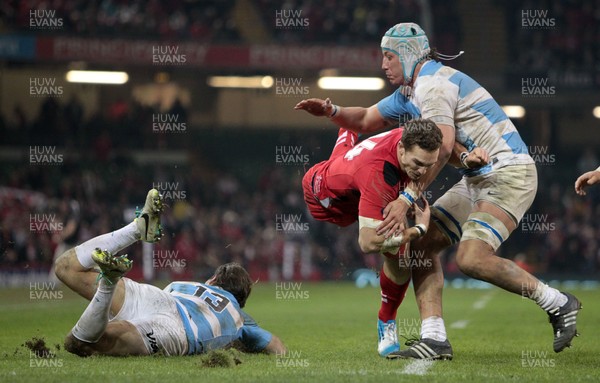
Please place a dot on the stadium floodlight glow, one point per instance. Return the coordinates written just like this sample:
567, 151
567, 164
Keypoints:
514, 111
597, 112
351, 83
260, 82
97, 77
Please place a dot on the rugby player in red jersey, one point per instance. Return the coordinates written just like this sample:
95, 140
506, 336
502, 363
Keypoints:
357, 183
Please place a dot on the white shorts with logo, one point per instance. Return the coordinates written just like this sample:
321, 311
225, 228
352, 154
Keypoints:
512, 188
154, 313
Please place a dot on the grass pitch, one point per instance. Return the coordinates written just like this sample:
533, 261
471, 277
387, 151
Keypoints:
330, 332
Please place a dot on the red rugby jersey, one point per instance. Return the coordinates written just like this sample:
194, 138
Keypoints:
367, 176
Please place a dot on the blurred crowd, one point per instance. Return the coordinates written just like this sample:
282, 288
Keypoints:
204, 20
106, 132
297, 21
211, 218
351, 22
558, 38
346, 22
562, 229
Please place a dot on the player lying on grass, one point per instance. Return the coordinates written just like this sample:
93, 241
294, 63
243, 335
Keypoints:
129, 318
357, 183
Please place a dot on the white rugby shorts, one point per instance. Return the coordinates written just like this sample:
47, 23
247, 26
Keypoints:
511, 187
154, 314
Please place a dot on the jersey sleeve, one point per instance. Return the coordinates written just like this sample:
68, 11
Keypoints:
253, 336
396, 105
437, 101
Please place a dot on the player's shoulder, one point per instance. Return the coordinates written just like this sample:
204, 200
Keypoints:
385, 148
186, 287
385, 140
202, 290
435, 74
387, 135
443, 85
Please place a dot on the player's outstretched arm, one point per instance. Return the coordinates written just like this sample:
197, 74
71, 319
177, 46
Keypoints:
589, 178
354, 118
275, 346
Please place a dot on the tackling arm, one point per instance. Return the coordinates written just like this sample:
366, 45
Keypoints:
395, 211
462, 158
458, 157
354, 118
275, 346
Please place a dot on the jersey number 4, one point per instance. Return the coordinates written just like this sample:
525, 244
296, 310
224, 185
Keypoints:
216, 301
367, 144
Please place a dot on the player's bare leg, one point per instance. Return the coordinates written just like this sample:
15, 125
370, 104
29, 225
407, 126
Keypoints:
106, 291
428, 284
478, 259
84, 280
120, 338
473, 254
93, 334
75, 267
391, 268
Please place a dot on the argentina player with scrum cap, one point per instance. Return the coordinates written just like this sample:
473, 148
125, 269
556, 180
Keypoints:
486, 205
482, 209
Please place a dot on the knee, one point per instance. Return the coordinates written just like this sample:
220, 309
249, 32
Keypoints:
394, 272
468, 262
398, 275
432, 243
61, 265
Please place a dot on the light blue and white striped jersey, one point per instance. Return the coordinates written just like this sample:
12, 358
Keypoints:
212, 318
397, 107
448, 96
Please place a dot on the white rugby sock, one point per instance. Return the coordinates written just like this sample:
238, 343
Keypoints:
433, 328
113, 242
548, 298
94, 319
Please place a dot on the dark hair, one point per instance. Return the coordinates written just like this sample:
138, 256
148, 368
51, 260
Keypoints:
433, 54
235, 279
422, 132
